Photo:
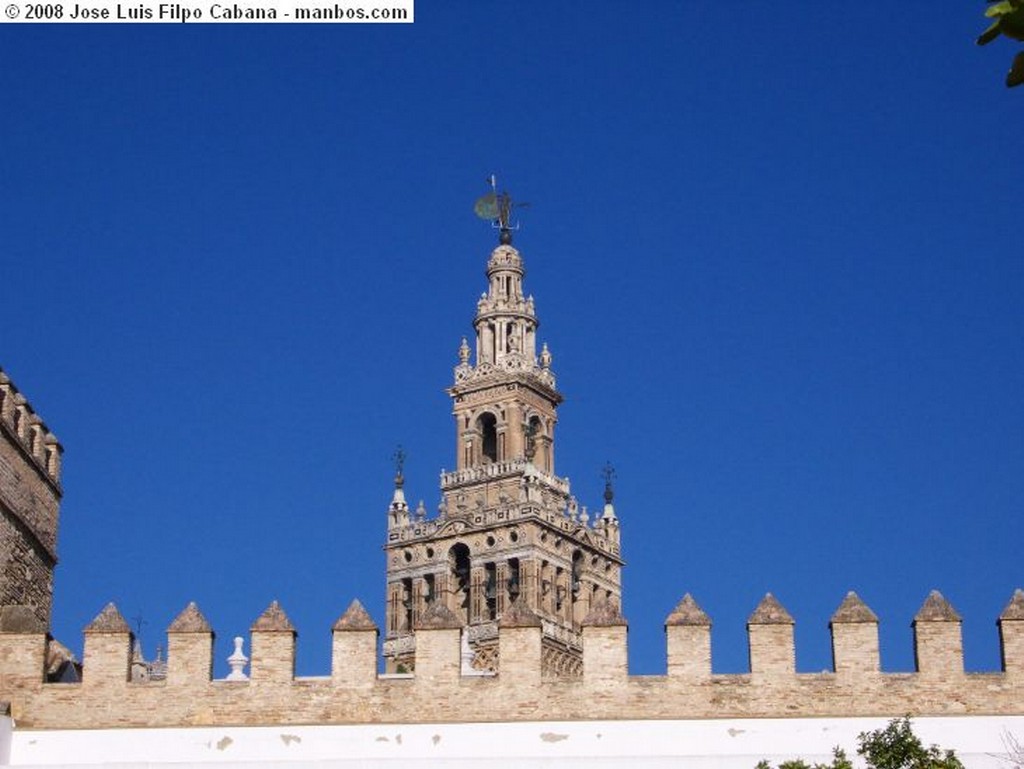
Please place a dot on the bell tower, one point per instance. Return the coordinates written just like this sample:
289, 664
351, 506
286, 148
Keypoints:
508, 529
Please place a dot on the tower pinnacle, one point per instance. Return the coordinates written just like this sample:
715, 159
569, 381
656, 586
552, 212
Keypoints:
508, 530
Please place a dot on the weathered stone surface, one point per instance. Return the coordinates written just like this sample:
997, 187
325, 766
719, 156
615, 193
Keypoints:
852, 610
1015, 608
519, 615
687, 612
770, 612
604, 614
109, 620
273, 620
30, 493
936, 609
20, 619
190, 620
438, 617
355, 618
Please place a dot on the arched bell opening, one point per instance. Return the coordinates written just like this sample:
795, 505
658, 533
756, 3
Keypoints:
487, 425
459, 566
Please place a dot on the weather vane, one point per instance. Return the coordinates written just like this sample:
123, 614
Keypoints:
497, 207
139, 622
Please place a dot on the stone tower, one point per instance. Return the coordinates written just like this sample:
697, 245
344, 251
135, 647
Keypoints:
30, 495
508, 529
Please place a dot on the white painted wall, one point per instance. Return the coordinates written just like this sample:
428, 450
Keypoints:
709, 744
5, 740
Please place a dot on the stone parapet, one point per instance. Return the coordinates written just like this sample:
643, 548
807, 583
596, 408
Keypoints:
439, 690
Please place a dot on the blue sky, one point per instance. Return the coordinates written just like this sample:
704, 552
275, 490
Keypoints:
775, 252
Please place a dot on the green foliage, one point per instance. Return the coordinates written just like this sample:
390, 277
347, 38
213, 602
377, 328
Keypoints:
894, 747
1008, 21
839, 761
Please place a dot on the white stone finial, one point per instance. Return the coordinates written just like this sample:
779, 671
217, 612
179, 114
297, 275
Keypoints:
464, 352
237, 662
584, 516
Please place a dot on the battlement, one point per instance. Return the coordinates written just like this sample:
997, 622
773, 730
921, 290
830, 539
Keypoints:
30, 492
28, 431
444, 689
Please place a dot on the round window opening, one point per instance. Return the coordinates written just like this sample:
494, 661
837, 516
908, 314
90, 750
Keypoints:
430, 552
514, 536
490, 542
407, 555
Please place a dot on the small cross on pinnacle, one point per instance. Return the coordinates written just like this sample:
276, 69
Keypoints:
399, 458
608, 473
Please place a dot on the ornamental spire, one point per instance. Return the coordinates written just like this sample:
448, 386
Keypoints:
398, 510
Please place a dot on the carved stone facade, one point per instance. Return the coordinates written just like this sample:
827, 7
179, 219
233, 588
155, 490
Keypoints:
508, 529
30, 495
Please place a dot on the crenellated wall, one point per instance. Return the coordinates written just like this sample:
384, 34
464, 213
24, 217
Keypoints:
30, 492
439, 692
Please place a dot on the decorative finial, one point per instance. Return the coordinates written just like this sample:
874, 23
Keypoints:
464, 352
399, 457
497, 206
545, 357
237, 662
608, 473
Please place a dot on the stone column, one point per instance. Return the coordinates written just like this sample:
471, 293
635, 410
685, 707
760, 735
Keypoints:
501, 588
395, 612
546, 598
477, 600
688, 641
563, 592
419, 599
529, 582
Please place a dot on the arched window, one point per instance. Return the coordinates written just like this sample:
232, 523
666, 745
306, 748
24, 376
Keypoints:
487, 424
513, 579
458, 562
534, 431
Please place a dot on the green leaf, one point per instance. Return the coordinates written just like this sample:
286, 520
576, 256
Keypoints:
989, 34
1015, 76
